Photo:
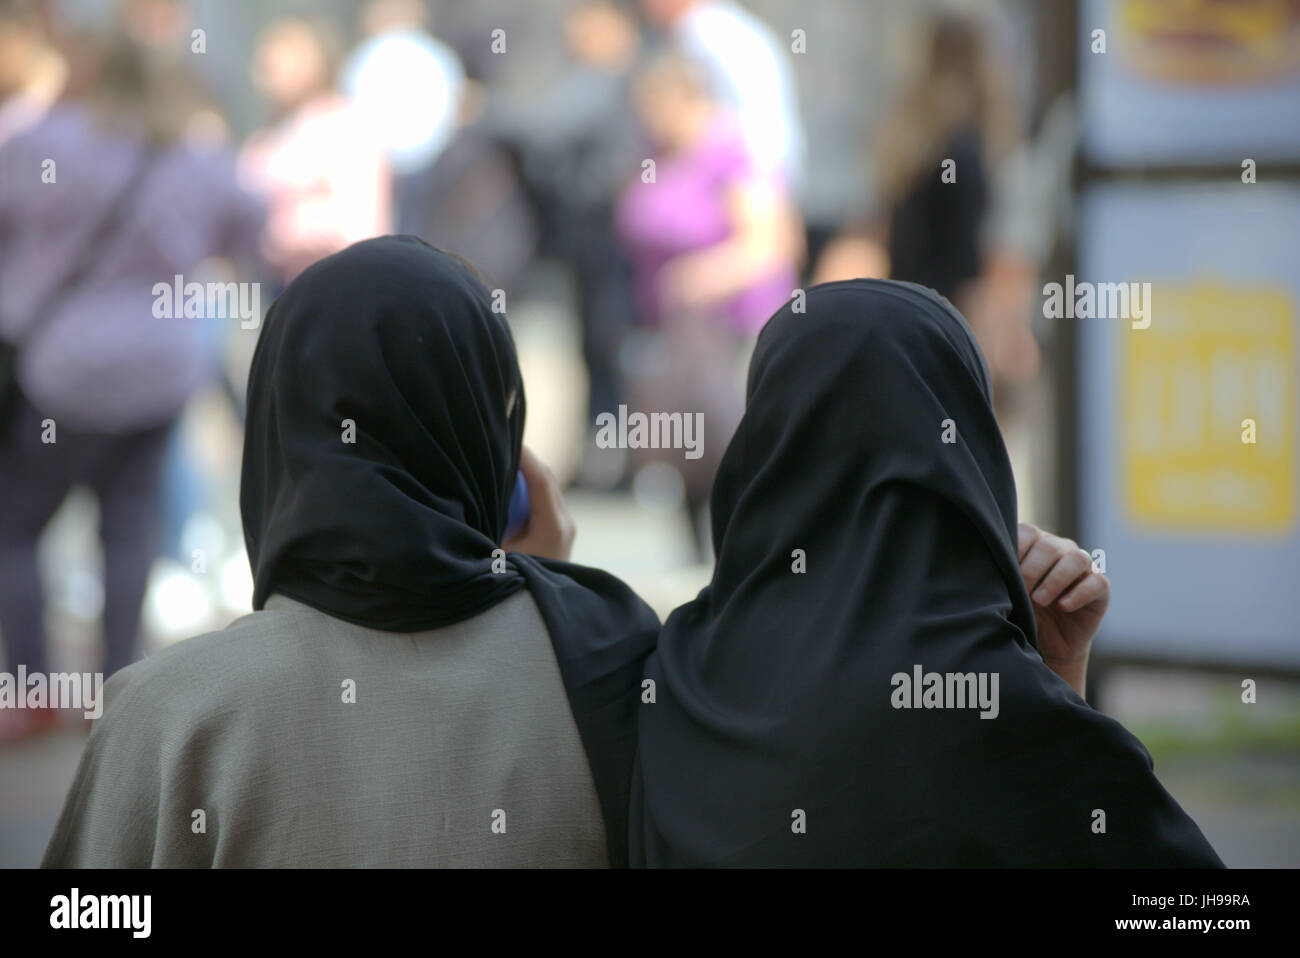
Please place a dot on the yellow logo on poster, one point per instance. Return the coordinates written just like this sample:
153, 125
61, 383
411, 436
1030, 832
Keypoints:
1214, 356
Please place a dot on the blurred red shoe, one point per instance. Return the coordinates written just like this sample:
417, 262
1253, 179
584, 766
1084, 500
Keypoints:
19, 725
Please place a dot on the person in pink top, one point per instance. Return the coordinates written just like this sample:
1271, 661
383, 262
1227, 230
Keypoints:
714, 231
714, 243
325, 178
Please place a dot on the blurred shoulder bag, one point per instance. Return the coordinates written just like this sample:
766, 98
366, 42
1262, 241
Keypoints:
81, 267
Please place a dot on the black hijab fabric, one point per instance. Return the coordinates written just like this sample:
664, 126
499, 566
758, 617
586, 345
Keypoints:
773, 739
395, 344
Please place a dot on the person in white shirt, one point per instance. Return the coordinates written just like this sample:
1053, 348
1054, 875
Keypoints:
408, 86
750, 72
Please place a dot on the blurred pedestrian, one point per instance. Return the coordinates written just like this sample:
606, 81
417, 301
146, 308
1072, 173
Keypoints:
319, 166
938, 152
478, 206
580, 142
99, 201
713, 238
941, 153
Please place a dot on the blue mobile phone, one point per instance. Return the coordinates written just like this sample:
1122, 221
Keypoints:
519, 508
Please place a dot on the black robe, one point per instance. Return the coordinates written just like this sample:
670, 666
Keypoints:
777, 735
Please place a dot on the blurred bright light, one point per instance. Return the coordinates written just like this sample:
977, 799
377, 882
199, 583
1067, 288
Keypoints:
177, 604
237, 584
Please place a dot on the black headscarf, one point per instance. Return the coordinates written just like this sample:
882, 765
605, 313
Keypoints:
395, 345
774, 739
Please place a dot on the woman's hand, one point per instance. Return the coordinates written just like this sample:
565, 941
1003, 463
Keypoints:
1069, 600
550, 531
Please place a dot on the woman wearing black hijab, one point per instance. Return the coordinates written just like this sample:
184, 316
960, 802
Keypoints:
861, 684
406, 692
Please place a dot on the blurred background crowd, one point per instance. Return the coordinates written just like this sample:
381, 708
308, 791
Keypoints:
643, 182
